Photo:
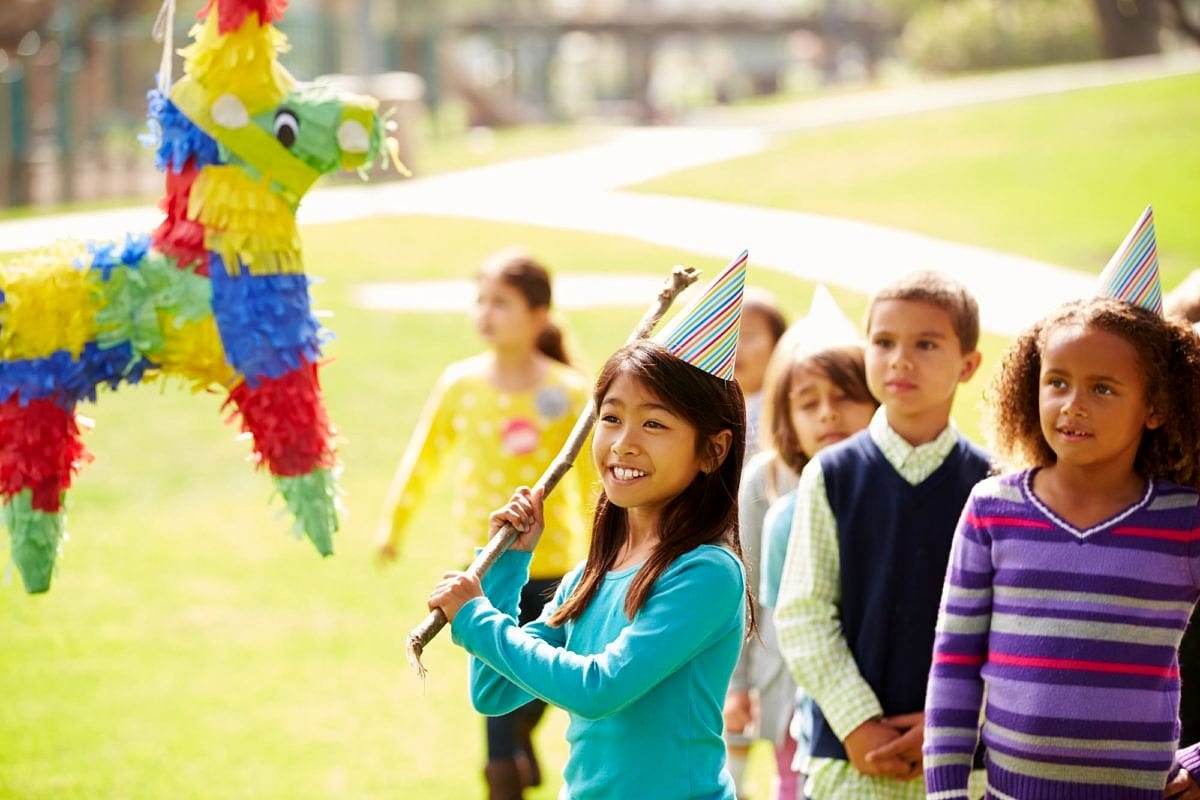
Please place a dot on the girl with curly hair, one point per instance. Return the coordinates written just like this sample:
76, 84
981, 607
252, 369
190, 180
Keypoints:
1072, 579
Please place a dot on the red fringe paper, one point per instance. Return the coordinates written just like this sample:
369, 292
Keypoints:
232, 13
178, 236
40, 449
292, 433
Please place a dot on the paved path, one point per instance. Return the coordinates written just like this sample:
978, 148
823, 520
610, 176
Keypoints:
581, 190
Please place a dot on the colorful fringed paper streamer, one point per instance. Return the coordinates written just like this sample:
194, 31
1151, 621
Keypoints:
233, 13
313, 501
265, 321
40, 449
245, 222
241, 63
36, 536
292, 434
47, 306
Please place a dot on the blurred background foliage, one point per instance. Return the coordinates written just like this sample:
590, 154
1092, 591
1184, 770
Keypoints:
74, 73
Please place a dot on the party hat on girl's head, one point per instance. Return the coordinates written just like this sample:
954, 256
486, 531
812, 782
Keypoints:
1132, 272
705, 334
826, 326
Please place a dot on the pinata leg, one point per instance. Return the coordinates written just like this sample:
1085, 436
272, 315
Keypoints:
293, 438
40, 449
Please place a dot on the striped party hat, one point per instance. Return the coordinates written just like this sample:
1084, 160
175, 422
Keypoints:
1132, 272
705, 333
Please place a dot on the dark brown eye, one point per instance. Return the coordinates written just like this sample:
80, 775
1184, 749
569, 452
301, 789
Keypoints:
287, 127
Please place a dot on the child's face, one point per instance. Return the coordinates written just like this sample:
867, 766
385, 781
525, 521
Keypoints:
1092, 397
822, 413
645, 454
503, 317
755, 345
914, 359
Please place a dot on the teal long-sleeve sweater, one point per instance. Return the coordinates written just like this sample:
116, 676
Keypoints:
644, 695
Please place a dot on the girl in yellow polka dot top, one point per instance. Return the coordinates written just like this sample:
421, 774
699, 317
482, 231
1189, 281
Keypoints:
497, 420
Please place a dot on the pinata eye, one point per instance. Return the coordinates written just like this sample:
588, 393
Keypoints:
287, 127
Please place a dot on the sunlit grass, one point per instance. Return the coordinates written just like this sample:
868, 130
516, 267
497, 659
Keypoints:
1060, 177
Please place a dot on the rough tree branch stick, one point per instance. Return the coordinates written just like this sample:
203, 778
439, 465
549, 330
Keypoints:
681, 278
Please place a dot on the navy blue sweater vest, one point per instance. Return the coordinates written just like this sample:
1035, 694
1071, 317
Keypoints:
894, 544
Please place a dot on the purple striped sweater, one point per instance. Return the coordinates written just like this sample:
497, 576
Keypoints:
1075, 635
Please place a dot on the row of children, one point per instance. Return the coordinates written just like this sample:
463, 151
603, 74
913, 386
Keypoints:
1067, 592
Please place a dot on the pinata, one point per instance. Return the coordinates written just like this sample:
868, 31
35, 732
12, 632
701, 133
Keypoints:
216, 295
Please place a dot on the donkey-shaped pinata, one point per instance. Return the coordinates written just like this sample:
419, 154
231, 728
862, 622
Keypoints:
216, 294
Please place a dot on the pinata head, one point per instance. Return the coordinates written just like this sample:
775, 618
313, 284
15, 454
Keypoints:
274, 127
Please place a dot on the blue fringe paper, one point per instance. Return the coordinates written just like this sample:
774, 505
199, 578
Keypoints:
176, 137
265, 321
67, 379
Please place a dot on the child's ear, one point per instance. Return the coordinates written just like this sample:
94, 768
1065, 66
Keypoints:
718, 448
969, 366
1153, 420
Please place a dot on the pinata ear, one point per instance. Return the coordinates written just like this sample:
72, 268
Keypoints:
1132, 273
705, 333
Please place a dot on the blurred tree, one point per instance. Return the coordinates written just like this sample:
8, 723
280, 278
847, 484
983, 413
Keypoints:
1129, 27
1183, 20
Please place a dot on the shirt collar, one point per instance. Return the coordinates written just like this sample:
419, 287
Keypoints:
902, 455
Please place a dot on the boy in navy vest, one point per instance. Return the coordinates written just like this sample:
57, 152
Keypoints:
871, 537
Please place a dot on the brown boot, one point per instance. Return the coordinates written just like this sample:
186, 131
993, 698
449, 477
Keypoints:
503, 780
528, 769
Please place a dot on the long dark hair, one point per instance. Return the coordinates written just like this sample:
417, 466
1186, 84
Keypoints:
518, 269
703, 513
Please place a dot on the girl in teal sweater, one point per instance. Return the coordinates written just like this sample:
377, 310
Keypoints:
639, 642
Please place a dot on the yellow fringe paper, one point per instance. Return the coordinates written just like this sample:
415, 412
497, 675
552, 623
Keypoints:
48, 304
193, 350
244, 219
242, 62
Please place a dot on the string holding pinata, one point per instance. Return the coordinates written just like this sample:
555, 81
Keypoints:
216, 294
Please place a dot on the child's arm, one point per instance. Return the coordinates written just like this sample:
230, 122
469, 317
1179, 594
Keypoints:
1184, 784
431, 439
808, 615
751, 507
955, 692
491, 692
777, 529
692, 606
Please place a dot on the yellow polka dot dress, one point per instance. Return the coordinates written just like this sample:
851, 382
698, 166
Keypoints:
493, 441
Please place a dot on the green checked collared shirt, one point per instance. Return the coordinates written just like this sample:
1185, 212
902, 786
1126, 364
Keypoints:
808, 619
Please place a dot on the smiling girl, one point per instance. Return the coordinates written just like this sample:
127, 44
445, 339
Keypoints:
1070, 582
640, 640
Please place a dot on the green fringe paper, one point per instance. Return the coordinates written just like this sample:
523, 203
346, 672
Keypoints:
35, 538
133, 297
313, 500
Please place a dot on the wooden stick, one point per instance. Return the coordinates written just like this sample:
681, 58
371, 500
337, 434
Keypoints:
680, 279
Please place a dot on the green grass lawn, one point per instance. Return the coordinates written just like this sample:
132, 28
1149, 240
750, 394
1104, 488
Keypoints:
1060, 178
